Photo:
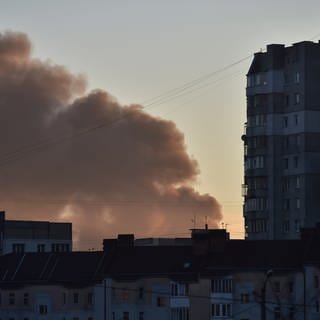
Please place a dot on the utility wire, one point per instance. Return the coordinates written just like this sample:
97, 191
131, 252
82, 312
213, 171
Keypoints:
166, 97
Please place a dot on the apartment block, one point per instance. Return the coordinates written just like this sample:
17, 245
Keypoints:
34, 236
213, 277
282, 142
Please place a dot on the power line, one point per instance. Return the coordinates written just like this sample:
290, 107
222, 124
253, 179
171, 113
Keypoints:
166, 97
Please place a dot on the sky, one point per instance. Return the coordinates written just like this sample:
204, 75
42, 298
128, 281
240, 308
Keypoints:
138, 50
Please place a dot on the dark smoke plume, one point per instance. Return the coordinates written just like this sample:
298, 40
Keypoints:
132, 175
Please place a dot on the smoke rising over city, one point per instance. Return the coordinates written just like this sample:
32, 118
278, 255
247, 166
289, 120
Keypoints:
69, 155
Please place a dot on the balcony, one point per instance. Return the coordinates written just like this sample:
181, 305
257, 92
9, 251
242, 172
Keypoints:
244, 190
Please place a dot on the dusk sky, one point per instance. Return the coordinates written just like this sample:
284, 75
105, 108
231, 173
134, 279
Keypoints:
138, 50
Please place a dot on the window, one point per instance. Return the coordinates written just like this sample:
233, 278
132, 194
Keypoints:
41, 247
221, 310
297, 182
285, 122
26, 299
285, 163
277, 315
256, 204
113, 316
286, 204
258, 79
141, 315
297, 203
221, 285
291, 313
296, 119
76, 298
124, 294
297, 98
286, 184
180, 313
257, 225
286, 226
18, 247
317, 307
287, 100
316, 282
296, 161
297, 225
12, 298
297, 77
141, 292
60, 247
276, 286
90, 298
125, 315
290, 287
161, 302
244, 297
43, 309
64, 298
179, 289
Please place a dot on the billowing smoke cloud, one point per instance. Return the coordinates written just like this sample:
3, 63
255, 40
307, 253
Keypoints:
132, 175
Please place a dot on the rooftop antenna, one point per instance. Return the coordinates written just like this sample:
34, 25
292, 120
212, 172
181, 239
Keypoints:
206, 222
194, 220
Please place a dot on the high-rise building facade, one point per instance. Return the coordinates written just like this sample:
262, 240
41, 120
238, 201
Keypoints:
282, 142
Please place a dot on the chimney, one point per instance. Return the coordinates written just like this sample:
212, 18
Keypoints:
123, 240
206, 241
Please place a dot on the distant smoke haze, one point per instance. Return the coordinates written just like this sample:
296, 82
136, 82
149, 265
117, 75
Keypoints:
133, 176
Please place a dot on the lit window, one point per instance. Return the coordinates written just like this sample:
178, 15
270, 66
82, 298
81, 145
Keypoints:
297, 77
297, 98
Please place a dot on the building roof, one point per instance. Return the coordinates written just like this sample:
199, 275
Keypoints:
68, 268
210, 254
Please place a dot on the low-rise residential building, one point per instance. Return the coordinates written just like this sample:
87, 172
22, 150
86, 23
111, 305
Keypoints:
210, 278
34, 236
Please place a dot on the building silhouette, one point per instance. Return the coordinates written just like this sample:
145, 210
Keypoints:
282, 142
34, 236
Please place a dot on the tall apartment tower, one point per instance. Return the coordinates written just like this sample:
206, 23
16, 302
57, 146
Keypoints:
282, 142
